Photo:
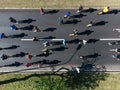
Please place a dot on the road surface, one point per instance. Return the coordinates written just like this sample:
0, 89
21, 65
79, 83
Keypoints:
69, 54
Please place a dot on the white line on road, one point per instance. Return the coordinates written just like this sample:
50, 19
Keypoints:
43, 39
110, 39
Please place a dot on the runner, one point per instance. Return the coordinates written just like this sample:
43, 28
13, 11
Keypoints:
2, 35
90, 24
36, 29
60, 21
13, 27
12, 20
28, 56
75, 33
42, 11
34, 39
80, 9
115, 50
4, 56
46, 51
105, 10
67, 15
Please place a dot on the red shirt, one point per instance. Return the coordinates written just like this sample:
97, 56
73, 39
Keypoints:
29, 57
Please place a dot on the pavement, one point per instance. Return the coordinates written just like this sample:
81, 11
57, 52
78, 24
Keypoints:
63, 58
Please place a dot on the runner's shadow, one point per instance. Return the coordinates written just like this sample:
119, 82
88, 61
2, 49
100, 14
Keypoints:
49, 29
51, 11
75, 41
92, 40
86, 32
17, 35
61, 48
54, 62
100, 23
114, 12
21, 54
14, 64
95, 55
30, 27
90, 10
12, 47
28, 21
78, 16
74, 21
49, 37
43, 55
44, 61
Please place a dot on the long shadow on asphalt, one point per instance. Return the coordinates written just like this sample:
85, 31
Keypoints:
21, 54
92, 40
85, 57
101, 23
115, 11
86, 32
17, 35
44, 61
51, 11
29, 28
48, 37
78, 16
28, 21
90, 10
61, 48
51, 29
75, 41
73, 21
12, 47
16, 64
43, 55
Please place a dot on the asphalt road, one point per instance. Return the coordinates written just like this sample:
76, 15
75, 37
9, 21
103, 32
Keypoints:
48, 22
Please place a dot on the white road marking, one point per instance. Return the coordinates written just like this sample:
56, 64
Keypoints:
110, 39
43, 39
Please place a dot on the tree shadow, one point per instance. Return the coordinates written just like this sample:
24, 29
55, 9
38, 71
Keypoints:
21, 54
51, 11
17, 35
90, 10
115, 11
86, 32
61, 48
12, 47
92, 40
78, 16
28, 21
100, 23
16, 64
18, 79
71, 81
30, 27
49, 29
85, 80
73, 21
78, 47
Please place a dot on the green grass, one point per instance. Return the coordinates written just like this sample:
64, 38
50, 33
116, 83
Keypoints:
58, 3
82, 81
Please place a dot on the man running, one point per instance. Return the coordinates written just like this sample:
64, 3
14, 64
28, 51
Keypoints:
105, 10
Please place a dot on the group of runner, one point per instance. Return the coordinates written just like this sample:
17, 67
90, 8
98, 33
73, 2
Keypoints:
46, 43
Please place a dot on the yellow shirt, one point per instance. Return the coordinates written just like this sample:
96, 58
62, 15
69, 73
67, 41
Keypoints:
106, 9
